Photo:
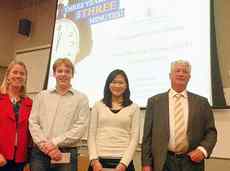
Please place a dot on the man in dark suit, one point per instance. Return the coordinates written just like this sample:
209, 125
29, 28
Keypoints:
179, 129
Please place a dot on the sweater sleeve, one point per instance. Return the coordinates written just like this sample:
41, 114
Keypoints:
92, 133
135, 130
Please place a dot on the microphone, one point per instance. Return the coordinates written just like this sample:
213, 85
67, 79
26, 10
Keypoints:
14, 100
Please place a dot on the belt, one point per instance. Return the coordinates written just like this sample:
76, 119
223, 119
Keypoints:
177, 155
68, 148
60, 148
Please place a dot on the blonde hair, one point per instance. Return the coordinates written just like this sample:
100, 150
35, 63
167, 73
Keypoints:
64, 61
5, 84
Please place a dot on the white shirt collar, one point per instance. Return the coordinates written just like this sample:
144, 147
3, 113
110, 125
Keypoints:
172, 93
54, 90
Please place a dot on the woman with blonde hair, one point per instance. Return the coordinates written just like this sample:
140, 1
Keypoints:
15, 108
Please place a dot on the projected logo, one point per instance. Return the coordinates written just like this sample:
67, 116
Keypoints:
72, 37
95, 11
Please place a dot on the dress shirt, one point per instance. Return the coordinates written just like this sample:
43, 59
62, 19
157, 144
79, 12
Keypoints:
61, 119
184, 96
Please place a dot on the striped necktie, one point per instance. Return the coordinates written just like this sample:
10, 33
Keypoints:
181, 143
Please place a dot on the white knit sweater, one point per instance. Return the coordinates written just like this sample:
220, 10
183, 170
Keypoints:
113, 135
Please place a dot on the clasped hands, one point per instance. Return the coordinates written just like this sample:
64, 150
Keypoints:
51, 150
98, 167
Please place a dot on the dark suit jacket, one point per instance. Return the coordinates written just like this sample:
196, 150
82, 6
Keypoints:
201, 128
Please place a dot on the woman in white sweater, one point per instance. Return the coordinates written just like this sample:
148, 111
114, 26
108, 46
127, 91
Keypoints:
114, 126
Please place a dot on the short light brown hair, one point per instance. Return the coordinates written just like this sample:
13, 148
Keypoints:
64, 61
5, 84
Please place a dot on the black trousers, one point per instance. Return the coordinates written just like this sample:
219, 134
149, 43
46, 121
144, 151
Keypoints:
181, 162
112, 163
12, 166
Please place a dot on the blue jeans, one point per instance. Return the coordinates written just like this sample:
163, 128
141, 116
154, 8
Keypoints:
41, 162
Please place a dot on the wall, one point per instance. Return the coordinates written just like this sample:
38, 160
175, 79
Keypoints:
217, 165
2, 72
40, 12
42, 16
7, 32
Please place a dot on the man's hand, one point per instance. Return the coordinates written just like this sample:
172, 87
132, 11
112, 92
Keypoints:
2, 160
51, 150
47, 147
147, 168
196, 155
55, 154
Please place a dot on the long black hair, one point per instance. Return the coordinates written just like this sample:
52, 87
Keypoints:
107, 99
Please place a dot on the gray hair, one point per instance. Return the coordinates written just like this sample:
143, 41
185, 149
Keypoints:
183, 62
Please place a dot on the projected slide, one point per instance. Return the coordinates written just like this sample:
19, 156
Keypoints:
140, 37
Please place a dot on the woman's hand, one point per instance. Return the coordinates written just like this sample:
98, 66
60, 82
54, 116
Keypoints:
2, 160
97, 165
120, 167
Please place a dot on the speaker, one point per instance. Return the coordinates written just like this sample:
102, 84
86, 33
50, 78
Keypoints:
24, 27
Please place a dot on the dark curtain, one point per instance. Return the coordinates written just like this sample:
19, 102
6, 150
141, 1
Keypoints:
218, 98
